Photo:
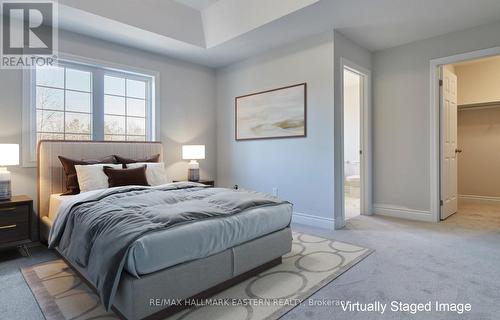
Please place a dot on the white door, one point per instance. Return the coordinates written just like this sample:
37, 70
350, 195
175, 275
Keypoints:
449, 189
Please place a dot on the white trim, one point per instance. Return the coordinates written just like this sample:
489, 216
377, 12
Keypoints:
434, 109
313, 221
107, 65
366, 136
28, 119
402, 212
480, 198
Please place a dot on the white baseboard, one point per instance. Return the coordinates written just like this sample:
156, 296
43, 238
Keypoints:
313, 221
482, 198
402, 212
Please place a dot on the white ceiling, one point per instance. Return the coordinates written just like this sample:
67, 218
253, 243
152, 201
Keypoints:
242, 29
197, 4
381, 24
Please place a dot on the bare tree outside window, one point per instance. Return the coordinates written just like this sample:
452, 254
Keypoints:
63, 104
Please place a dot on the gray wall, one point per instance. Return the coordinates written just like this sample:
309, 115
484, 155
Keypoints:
187, 94
301, 168
402, 116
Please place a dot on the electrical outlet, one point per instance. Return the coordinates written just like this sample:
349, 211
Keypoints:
275, 191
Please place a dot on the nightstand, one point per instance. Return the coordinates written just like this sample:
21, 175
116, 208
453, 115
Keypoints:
15, 223
210, 183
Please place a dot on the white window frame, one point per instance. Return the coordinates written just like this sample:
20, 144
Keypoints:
99, 69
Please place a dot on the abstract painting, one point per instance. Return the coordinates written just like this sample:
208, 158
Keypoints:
271, 114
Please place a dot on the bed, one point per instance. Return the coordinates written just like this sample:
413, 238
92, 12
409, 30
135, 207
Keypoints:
201, 258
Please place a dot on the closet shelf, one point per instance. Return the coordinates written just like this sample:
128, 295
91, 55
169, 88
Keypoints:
491, 104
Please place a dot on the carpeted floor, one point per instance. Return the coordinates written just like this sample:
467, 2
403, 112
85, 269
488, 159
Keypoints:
454, 261
16, 300
457, 260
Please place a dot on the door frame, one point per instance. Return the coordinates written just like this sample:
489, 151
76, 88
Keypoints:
436, 119
365, 144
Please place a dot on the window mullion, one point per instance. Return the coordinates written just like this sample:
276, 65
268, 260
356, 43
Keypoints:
126, 115
149, 113
98, 104
32, 125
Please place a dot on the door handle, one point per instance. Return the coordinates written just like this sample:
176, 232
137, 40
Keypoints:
458, 150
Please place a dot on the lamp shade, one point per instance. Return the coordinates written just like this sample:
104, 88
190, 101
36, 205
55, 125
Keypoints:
193, 152
9, 154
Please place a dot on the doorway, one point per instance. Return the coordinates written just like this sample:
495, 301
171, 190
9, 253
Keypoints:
353, 97
470, 131
352, 144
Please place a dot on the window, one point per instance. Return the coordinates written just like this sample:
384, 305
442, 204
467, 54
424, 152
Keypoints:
82, 102
124, 109
63, 104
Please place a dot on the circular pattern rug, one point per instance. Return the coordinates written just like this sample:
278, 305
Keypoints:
312, 263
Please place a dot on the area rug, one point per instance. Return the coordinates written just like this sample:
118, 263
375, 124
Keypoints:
312, 263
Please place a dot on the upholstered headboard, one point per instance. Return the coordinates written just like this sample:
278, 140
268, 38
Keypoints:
51, 178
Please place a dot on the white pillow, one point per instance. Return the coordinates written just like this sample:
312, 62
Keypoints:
92, 176
155, 172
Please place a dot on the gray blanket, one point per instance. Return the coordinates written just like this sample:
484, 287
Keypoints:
95, 230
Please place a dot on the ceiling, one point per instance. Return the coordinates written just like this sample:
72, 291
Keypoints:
197, 4
219, 32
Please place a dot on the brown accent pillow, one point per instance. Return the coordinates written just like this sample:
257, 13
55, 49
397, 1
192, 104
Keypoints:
126, 177
124, 161
68, 164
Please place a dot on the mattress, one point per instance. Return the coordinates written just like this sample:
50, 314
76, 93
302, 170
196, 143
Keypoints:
159, 250
186, 242
54, 204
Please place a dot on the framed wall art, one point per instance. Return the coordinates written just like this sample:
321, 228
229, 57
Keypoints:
272, 114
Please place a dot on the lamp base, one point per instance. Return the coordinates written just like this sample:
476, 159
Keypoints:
193, 171
5, 186
194, 175
5, 190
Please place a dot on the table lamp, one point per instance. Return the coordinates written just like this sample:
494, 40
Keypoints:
9, 156
193, 153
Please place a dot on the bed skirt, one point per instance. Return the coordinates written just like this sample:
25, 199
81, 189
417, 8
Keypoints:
145, 297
